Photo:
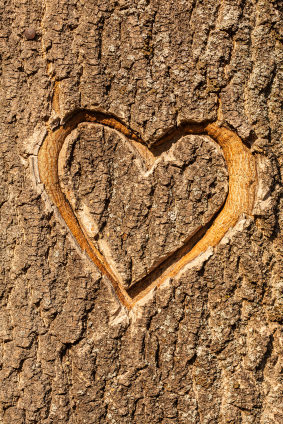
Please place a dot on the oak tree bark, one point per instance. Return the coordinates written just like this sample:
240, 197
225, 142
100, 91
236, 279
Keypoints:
206, 345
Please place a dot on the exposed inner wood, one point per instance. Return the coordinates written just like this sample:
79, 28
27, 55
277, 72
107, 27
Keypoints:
240, 199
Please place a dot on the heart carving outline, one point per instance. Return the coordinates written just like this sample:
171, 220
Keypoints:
242, 181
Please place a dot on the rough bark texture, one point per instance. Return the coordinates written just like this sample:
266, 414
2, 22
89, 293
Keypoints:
139, 218
206, 346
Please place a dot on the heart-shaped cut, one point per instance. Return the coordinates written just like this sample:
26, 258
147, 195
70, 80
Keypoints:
135, 213
240, 199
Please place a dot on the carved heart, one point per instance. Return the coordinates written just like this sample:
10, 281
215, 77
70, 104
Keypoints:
241, 169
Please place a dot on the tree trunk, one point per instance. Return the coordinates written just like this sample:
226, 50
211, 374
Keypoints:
141, 235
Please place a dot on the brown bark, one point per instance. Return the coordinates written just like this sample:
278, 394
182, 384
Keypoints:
206, 345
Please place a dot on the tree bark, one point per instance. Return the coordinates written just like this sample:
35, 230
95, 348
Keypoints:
141, 212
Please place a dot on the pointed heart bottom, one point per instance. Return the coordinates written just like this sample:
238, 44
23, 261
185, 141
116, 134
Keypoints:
129, 206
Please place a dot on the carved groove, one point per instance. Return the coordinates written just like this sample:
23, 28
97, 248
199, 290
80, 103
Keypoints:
240, 199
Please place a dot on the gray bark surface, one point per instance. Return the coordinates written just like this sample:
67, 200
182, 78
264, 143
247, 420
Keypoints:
206, 346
